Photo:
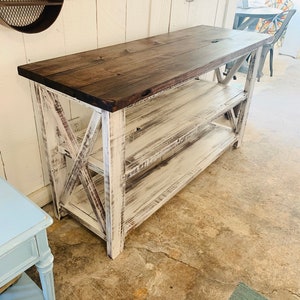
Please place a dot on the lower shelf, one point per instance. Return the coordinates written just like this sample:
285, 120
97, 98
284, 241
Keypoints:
79, 207
156, 186
168, 178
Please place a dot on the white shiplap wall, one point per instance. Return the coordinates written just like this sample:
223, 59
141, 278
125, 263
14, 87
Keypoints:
82, 25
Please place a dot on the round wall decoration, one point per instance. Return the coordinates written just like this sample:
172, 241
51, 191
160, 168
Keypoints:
29, 16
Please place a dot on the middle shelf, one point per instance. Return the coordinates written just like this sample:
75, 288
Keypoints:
157, 125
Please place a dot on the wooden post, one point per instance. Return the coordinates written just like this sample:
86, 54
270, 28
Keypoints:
56, 161
113, 131
249, 86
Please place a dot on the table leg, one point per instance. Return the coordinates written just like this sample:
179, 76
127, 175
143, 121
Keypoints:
113, 135
45, 266
249, 85
56, 161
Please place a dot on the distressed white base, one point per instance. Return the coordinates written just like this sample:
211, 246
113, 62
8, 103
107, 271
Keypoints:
124, 168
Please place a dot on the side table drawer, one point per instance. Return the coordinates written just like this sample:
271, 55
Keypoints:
18, 259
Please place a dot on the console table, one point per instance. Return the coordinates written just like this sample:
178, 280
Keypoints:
23, 243
154, 122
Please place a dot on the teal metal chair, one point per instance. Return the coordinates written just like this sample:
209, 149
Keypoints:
282, 21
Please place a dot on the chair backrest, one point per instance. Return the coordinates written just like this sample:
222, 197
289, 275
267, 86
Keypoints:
281, 4
284, 18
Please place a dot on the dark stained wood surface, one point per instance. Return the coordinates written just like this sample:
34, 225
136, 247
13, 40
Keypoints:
116, 76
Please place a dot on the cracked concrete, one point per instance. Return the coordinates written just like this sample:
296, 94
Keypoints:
238, 221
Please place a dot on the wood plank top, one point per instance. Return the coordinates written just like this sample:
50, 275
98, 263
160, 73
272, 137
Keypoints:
117, 76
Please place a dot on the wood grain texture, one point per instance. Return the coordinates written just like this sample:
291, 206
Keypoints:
55, 160
249, 87
113, 136
115, 77
150, 192
149, 134
155, 187
80, 158
56, 128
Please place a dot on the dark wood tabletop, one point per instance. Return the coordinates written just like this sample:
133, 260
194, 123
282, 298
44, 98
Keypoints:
117, 76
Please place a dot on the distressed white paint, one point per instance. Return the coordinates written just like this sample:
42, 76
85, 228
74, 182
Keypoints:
56, 130
249, 86
56, 162
189, 108
146, 160
81, 25
113, 136
192, 109
151, 192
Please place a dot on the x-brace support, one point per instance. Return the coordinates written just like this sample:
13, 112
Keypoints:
78, 153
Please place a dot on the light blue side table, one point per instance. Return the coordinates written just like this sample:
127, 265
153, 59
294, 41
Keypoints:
24, 243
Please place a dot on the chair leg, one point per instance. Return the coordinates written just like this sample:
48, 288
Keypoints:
271, 62
264, 54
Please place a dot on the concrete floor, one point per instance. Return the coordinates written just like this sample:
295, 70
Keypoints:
238, 221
